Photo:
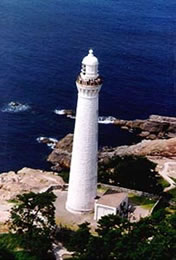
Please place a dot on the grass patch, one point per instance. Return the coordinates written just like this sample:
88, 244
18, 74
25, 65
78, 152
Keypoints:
163, 182
148, 206
64, 175
14, 201
142, 201
10, 249
174, 179
101, 189
62, 224
173, 194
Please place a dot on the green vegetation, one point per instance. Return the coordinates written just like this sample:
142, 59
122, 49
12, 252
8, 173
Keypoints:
133, 172
118, 239
64, 175
173, 194
32, 228
142, 201
172, 205
163, 182
101, 189
174, 179
14, 201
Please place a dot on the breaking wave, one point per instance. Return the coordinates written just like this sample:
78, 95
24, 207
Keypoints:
49, 141
106, 119
101, 119
15, 107
70, 116
60, 112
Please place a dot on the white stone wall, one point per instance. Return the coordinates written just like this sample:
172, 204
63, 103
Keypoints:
83, 173
104, 210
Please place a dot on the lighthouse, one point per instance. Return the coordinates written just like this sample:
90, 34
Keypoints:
83, 172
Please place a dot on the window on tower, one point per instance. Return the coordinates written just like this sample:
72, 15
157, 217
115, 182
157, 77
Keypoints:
84, 69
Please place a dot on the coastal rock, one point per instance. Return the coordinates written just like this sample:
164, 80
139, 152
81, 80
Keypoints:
155, 127
153, 148
61, 157
69, 112
26, 180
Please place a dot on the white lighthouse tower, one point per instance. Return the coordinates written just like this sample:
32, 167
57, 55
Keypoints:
83, 172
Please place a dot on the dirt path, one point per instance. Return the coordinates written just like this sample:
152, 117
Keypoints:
165, 174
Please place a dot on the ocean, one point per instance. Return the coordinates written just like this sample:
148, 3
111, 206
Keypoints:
42, 44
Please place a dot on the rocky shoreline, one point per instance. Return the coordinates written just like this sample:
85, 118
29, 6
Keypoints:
25, 180
60, 157
158, 132
155, 127
163, 148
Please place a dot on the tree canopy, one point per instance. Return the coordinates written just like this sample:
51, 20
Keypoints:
117, 239
134, 172
33, 222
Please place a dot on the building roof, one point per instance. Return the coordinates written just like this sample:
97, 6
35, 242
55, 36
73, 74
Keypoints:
90, 59
112, 199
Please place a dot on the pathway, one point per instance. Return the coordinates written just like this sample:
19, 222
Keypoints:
165, 174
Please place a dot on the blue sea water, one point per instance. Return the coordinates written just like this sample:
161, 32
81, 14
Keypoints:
42, 43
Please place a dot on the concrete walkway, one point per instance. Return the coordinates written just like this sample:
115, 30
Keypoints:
67, 218
60, 251
164, 172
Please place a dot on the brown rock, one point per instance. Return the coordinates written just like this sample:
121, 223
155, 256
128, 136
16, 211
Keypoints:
27, 180
144, 134
66, 143
151, 137
156, 126
159, 147
69, 112
61, 155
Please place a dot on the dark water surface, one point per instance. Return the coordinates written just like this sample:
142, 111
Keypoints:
42, 43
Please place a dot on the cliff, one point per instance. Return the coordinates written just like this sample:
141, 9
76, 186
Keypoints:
26, 180
61, 155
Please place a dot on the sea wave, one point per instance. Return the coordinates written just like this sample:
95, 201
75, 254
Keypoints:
59, 111
15, 107
101, 119
106, 120
70, 116
49, 141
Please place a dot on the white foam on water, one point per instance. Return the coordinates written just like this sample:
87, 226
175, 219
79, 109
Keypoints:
59, 111
15, 107
70, 116
101, 120
50, 142
106, 119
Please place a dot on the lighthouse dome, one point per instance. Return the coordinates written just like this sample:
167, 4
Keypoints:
90, 59
89, 69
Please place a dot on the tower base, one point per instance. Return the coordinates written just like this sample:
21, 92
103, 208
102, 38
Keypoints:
81, 211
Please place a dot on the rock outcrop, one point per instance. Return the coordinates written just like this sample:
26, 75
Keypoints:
154, 148
26, 180
61, 155
155, 127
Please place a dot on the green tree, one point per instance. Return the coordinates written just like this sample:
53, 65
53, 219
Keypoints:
117, 239
33, 221
134, 172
